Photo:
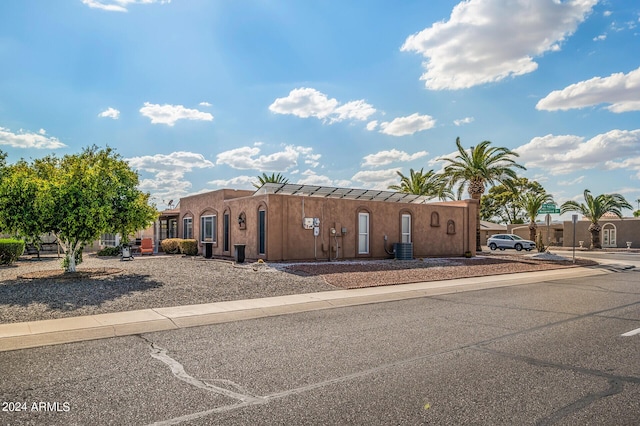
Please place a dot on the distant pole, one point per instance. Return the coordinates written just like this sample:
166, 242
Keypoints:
574, 219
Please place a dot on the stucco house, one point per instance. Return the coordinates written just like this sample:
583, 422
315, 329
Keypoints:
284, 222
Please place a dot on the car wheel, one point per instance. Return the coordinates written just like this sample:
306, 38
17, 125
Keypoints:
493, 246
518, 247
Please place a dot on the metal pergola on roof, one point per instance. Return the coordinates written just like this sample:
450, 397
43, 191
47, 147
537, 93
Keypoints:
335, 192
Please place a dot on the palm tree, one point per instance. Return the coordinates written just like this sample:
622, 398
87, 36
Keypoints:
594, 209
531, 202
481, 165
428, 184
274, 178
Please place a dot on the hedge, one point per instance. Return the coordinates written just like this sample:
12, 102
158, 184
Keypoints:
171, 245
10, 250
189, 247
178, 245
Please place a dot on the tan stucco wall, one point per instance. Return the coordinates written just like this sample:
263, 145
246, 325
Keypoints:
627, 229
287, 239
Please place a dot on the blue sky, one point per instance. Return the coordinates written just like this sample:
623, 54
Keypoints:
204, 94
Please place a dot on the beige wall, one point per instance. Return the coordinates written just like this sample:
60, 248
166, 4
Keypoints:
286, 239
627, 229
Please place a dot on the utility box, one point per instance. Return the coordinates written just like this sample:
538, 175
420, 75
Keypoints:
307, 223
403, 251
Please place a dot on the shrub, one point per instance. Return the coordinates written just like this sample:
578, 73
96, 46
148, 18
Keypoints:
109, 251
10, 250
189, 247
171, 245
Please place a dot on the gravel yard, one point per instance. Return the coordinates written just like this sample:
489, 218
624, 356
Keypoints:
111, 285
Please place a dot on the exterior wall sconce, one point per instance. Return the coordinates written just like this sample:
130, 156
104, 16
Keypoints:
242, 220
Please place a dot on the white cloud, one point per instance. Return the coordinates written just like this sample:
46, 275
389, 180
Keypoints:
169, 114
601, 37
204, 104
307, 102
238, 182
383, 158
489, 40
371, 126
169, 171
377, 179
462, 121
575, 181
118, 5
564, 154
110, 113
310, 177
23, 139
249, 158
402, 126
620, 90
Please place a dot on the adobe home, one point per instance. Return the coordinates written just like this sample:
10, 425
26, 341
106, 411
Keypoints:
286, 222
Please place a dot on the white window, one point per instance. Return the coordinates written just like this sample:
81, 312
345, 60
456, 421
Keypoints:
187, 228
109, 240
406, 228
208, 229
363, 233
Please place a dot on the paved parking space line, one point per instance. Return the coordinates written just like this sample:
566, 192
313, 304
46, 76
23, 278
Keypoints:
631, 333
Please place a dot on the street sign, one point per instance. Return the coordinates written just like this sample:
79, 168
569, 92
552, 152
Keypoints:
549, 208
548, 211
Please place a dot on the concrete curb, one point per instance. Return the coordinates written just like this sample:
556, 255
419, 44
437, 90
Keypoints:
75, 329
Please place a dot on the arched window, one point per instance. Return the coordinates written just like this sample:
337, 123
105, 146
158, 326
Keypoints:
262, 229
609, 235
363, 232
405, 227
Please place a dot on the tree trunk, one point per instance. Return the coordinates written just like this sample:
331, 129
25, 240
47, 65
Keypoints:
594, 229
478, 239
476, 189
533, 227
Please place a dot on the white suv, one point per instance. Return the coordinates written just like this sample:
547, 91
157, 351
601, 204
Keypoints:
505, 241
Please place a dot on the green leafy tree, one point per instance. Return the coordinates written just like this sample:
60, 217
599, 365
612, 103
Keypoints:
531, 203
594, 208
428, 184
482, 165
20, 198
501, 204
274, 178
79, 197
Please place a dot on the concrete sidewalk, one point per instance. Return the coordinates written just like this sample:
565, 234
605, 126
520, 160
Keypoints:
66, 330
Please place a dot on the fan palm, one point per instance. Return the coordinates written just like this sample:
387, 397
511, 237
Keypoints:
594, 208
428, 184
481, 165
532, 202
274, 178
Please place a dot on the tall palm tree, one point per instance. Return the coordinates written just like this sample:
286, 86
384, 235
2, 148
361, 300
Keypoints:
274, 178
594, 209
481, 165
531, 202
428, 184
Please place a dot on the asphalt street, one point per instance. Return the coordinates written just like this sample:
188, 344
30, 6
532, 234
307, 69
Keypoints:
545, 353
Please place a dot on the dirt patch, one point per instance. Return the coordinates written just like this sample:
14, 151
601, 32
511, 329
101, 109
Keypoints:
62, 275
389, 272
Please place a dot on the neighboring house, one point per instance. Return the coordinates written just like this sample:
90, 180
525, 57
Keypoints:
487, 229
305, 222
552, 235
615, 232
